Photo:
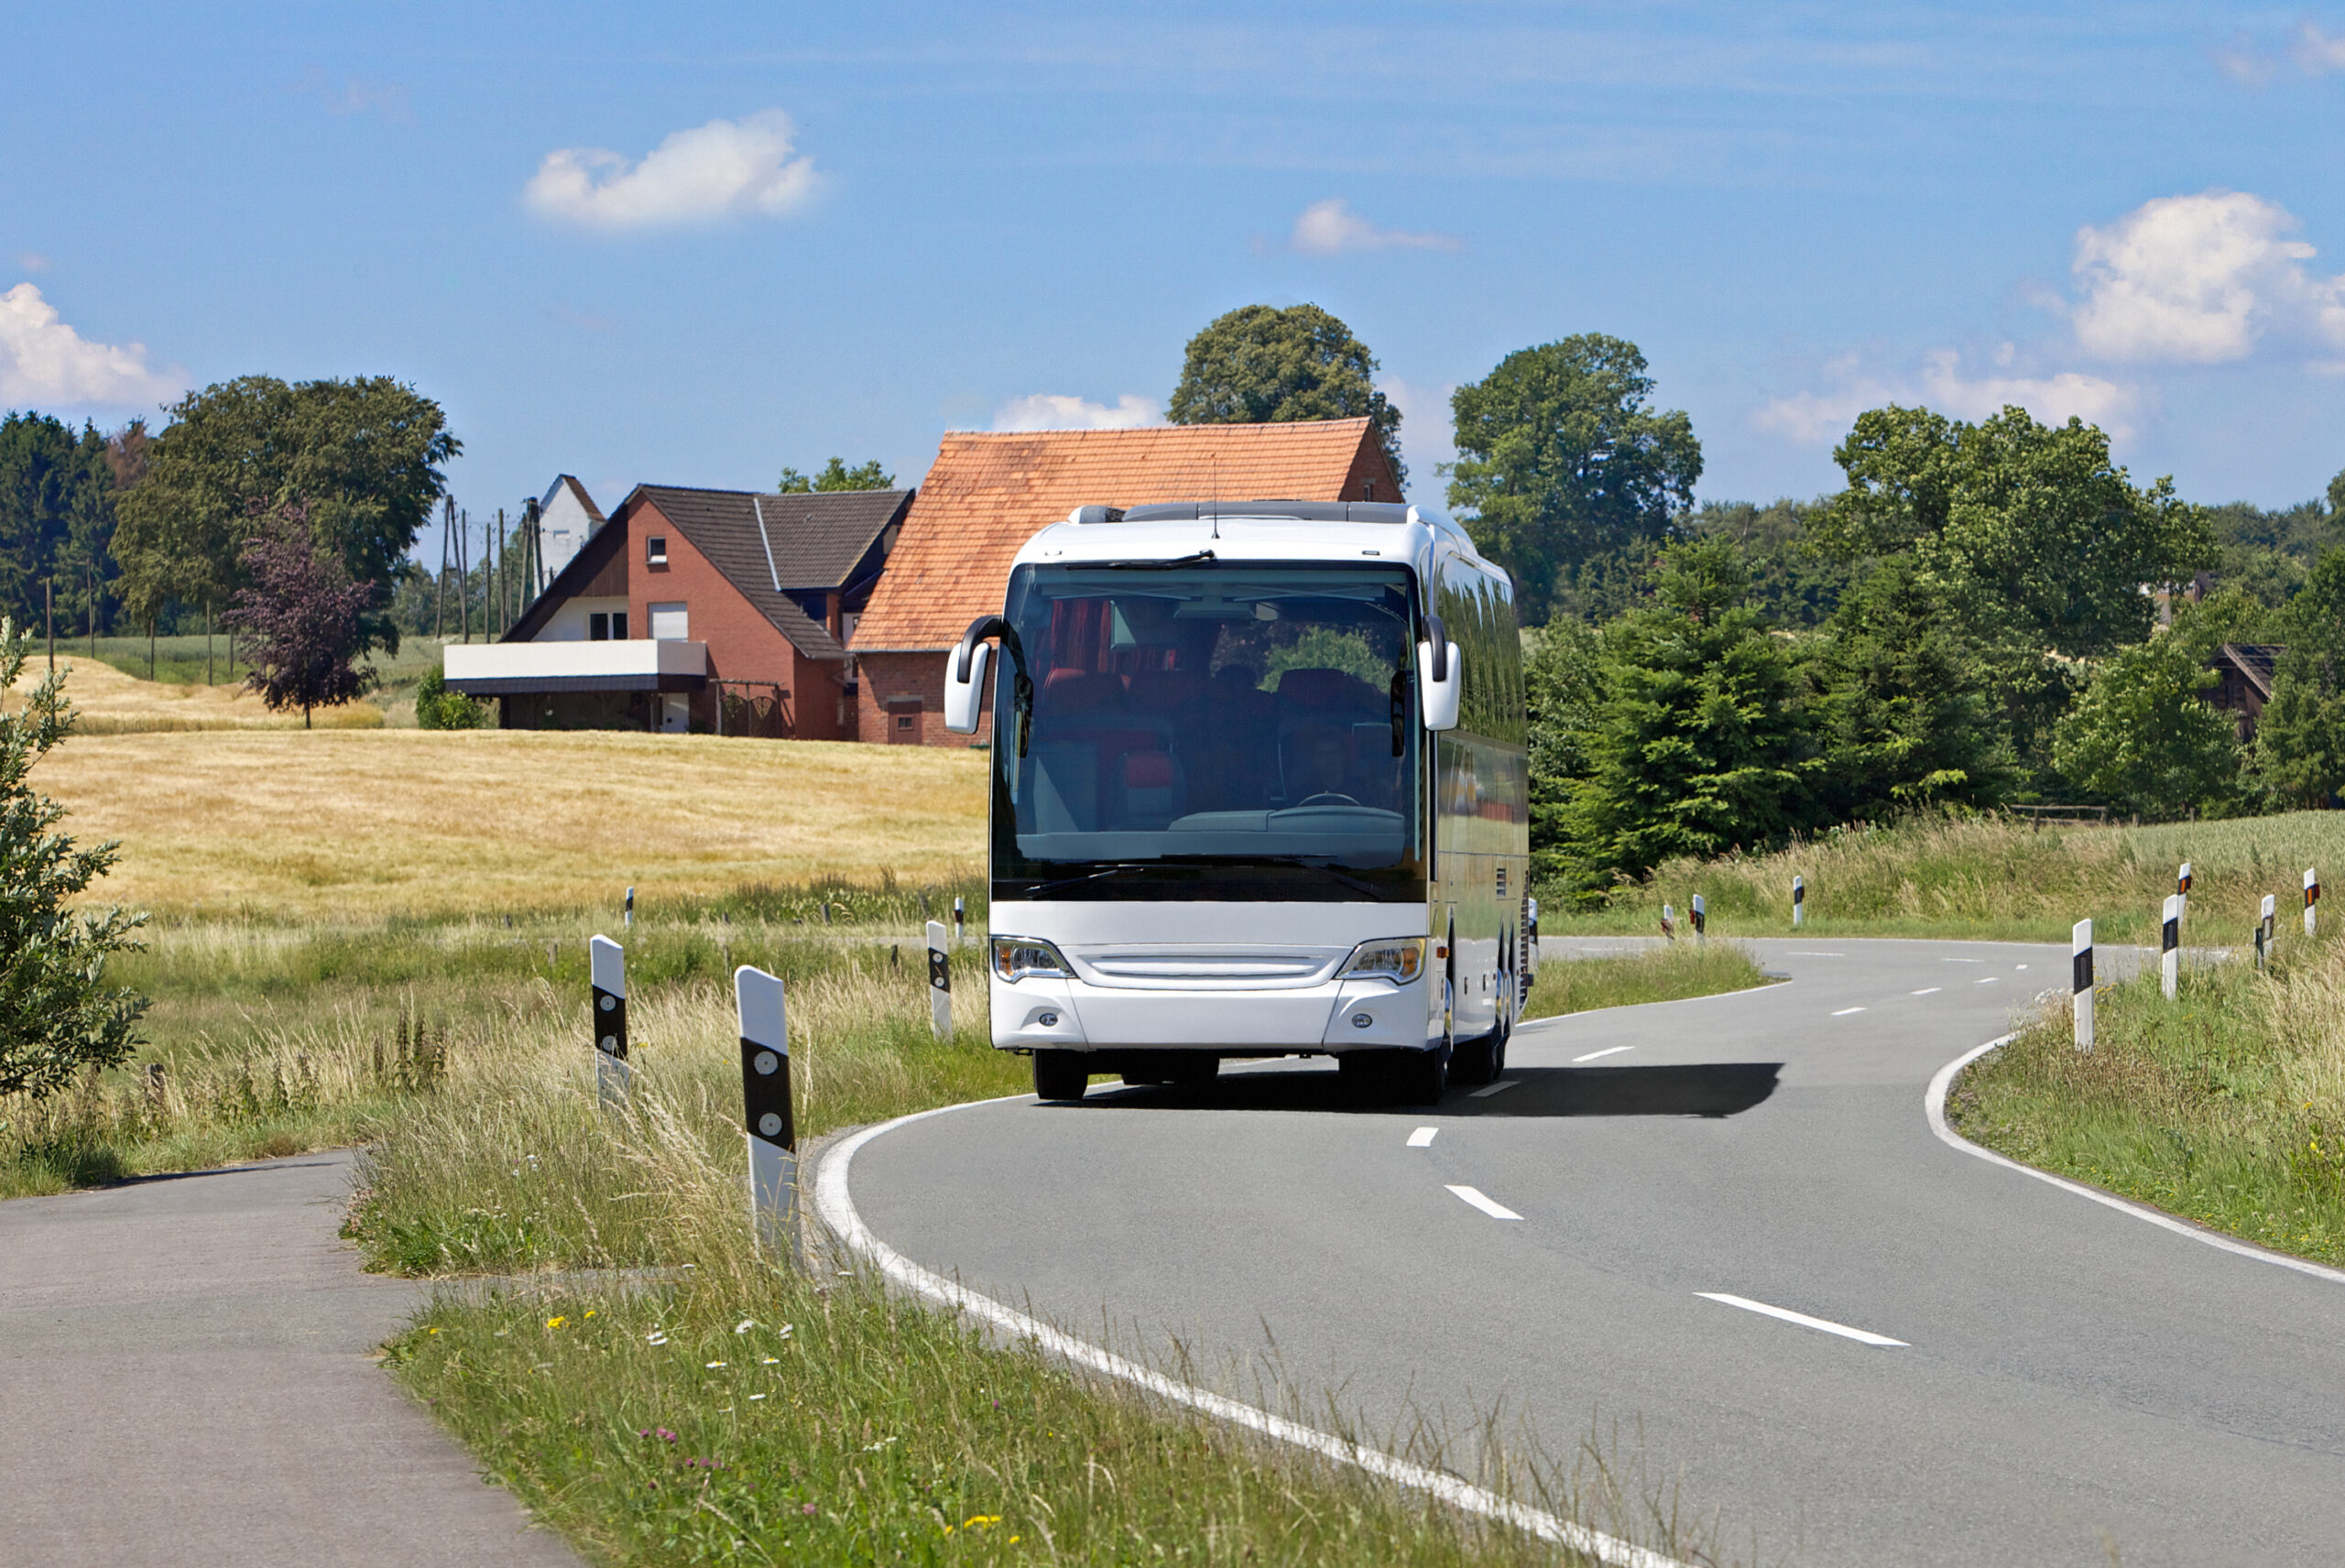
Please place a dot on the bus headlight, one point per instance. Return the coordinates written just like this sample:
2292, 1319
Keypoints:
1016, 957
1397, 959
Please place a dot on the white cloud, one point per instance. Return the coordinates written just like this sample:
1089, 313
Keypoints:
1817, 418
2201, 280
1057, 411
1331, 227
720, 169
2315, 52
32, 261
42, 360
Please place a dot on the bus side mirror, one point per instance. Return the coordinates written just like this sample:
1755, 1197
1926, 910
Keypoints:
1441, 678
965, 687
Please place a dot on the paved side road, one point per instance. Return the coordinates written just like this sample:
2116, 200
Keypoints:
186, 1380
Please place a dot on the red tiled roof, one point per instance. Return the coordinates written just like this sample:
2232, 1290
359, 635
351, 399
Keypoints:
988, 493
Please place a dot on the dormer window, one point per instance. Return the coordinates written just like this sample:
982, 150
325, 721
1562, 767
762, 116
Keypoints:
655, 550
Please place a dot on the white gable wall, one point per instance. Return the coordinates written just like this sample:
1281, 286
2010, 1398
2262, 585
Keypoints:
564, 526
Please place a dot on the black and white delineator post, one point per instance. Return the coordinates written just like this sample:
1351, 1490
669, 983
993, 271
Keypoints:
2312, 898
2266, 930
960, 921
1799, 902
1701, 917
1669, 922
2080, 980
627, 920
2182, 888
766, 1119
940, 982
2170, 946
607, 968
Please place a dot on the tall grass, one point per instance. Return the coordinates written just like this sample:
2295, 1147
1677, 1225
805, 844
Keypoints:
1995, 877
2226, 1106
1667, 971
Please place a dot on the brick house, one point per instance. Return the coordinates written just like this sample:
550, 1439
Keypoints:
2243, 685
721, 610
990, 492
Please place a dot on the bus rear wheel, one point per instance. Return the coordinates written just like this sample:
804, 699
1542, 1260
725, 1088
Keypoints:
1060, 1074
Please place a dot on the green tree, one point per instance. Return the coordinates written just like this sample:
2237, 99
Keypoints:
2141, 738
2030, 532
2298, 756
57, 513
57, 1016
364, 457
836, 476
1562, 698
1899, 705
1700, 744
1259, 364
1562, 465
1793, 584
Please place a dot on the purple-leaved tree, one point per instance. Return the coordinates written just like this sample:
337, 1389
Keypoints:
301, 616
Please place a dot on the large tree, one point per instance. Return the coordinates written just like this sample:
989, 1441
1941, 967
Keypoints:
57, 513
364, 457
57, 1016
2299, 751
2031, 533
2143, 738
1259, 364
836, 476
1701, 742
1564, 470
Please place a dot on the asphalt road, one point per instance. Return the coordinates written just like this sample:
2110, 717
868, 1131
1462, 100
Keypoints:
186, 1380
2072, 1382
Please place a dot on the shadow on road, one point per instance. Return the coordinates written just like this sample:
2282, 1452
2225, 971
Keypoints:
1711, 1089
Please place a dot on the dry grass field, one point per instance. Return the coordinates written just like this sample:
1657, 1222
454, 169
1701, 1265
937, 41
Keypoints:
337, 826
112, 702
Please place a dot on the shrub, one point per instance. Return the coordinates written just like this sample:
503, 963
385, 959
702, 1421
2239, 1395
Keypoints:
437, 708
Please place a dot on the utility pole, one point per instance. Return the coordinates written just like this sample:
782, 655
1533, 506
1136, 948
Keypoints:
504, 577
465, 576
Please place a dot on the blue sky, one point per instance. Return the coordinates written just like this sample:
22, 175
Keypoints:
689, 245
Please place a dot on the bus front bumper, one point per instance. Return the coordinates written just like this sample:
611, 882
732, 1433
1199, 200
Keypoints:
1053, 1013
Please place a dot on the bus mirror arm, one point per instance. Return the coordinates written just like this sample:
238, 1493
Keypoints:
964, 678
1439, 677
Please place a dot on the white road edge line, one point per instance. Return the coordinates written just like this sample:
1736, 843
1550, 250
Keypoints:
1862, 1336
1929, 990
1934, 1102
1423, 1138
1488, 1205
1500, 1087
1844, 1012
837, 1210
1608, 1050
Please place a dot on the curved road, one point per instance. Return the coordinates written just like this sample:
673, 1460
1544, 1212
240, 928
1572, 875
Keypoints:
2067, 1380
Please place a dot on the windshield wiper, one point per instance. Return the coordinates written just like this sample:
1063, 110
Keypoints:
1200, 559
1115, 870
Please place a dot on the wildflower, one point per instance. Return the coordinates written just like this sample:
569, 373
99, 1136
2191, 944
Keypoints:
980, 1521
755, 1398
807, 1509
556, 1321
787, 1327
590, 1311
744, 1325
655, 1337
714, 1365
433, 1331
769, 1361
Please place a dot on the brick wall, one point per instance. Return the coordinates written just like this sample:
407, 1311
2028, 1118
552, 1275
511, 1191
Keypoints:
896, 686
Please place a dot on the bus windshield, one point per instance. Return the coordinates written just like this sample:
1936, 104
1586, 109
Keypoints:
1210, 731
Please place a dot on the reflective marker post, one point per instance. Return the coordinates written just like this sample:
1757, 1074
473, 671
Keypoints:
627, 920
607, 968
2266, 932
2182, 886
960, 921
2312, 896
2170, 946
2080, 980
1799, 902
766, 1119
1669, 922
940, 982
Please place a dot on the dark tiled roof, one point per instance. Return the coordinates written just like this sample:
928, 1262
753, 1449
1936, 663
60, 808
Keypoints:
806, 543
2255, 661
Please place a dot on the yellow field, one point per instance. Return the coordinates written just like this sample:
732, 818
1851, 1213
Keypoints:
362, 824
111, 702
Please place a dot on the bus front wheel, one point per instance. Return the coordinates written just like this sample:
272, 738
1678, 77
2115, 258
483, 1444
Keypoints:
1060, 1074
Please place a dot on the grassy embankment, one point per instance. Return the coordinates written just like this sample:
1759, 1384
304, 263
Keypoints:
1992, 878
374, 989
2226, 1106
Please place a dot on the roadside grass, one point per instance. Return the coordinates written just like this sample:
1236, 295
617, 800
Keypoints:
2226, 1107
1668, 972
343, 825
110, 700
1990, 878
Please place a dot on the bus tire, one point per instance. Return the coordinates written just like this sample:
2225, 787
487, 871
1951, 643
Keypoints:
1060, 1074
1422, 1077
1193, 1068
1476, 1060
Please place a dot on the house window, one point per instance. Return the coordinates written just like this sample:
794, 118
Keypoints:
619, 625
670, 622
598, 626
655, 550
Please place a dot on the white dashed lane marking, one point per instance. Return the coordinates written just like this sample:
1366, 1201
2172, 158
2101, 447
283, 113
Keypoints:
1988, 980
1423, 1138
1862, 1336
1489, 1206
1500, 1087
1929, 990
1608, 1050
1844, 1012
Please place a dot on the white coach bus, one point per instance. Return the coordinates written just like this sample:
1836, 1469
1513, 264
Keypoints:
1258, 790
